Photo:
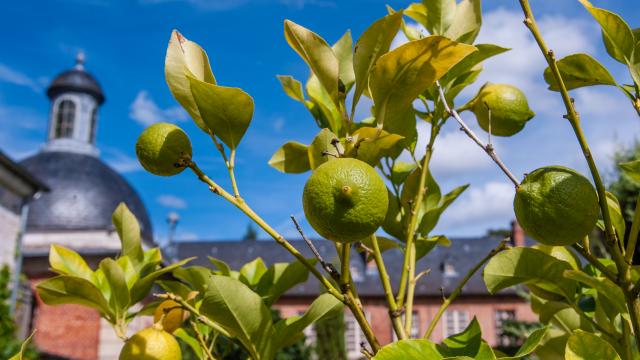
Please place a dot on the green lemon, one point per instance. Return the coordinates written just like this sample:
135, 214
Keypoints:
163, 149
151, 344
345, 200
393, 220
173, 313
508, 106
556, 206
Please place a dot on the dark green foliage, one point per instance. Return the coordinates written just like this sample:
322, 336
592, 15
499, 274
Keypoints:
251, 233
9, 343
330, 338
517, 332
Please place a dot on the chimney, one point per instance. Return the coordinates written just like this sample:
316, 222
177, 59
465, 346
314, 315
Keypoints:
517, 234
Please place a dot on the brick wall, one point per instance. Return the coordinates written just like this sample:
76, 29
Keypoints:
70, 331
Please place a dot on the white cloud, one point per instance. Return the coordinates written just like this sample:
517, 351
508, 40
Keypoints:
146, 112
16, 77
120, 161
278, 123
171, 201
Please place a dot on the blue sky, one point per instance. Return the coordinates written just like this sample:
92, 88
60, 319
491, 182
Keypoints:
125, 43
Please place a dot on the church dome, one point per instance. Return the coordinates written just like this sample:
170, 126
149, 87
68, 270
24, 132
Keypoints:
76, 80
84, 193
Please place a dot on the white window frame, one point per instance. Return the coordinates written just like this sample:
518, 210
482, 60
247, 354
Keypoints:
353, 349
460, 319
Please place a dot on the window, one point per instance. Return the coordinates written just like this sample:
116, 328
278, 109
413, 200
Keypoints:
353, 336
455, 322
415, 327
94, 122
65, 116
503, 316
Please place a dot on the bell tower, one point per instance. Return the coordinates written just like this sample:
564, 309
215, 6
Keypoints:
75, 97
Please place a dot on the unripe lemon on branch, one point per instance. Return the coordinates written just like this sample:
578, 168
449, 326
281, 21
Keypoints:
151, 343
163, 149
556, 205
172, 315
505, 105
345, 200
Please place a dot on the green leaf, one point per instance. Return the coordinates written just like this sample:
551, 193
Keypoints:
226, 111
632, 170
613, 51
432, 216
321, 150
128, 230
560, 253
615, 30
23, 348
579, 70
241, 312
373, 43
193, 343
417, 12
142, 287
322, 106
151, 259
251, 272
196, 276
291, 158
175, 287
325, 305
603, 286
184, 58
485, 352
528, 266
400, 170
371, 145
586, 346
66, 289
114, 275
404, 124
291, 87
343, 49
315, 51
431, 198
399, 76
530, 344
68, 262
561, 315
485, 51
466, 343
616, 215
425, 245
409, 349
222, 266
280, 278
466, 23
440, 15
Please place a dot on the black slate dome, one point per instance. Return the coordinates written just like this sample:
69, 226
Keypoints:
84, 193
76, 80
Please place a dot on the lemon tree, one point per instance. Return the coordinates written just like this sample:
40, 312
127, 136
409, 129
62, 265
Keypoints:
163, 149
152, 343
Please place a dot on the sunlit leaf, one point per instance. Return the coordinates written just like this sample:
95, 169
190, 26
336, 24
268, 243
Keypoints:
431, 217
603, 286
251, 272
579, 70
440, 15
530, 344
222, 266
400, 170
322, 106
615, 30
321, 149
142, 287
616, 215
280, 278
291, 158
23, 348
65, 289
114, 275
466, 343
409, 349
291, 87
68, 262
371, 145
343, 49
193, 343
586, 346
425, 245
485, 51
466, 23
632, 170
128, 230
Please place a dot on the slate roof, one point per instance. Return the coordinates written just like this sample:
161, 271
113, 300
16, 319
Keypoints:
23, 174
463, 254
84, 193
76, 80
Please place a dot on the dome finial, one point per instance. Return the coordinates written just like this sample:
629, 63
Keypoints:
80, 60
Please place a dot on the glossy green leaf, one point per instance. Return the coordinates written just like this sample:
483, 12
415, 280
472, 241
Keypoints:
587, 346
66, 289
372, 144
23, 348
241, 312
409, 349
291, 158
417, 12
193, 343
131, 275
142, 287
315, 51
251, 272
175, 287
343, 49
562, 315
560, 253
321, 150
613, 51
431, 198
128, 230
631, 169
440, 15
68, 262
466, 22
291, 87
466, 343
226, 111
530, 344
373, 43
222, 266
196, 276
151, 259
485, 352
425, 245
114, 275
603, 286
404, 124
616, 215
322, 106
579, 70
485, 51
615, 30
400, 170
184, 58
280, 278
325, 305
528, 266
399, 76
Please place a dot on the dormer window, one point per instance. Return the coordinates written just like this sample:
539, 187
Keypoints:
65, 117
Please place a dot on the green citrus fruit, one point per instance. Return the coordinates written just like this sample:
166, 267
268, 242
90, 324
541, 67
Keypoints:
345, 200
163, 149
556, 206
508, 106
173, 313
393, 220
151, 344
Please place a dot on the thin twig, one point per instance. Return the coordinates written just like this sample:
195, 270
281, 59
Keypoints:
487, 148
328, 267
200, 338
595, 262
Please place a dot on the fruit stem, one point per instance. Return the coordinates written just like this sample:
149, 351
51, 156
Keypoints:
447, 301
388, 291
612, 242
